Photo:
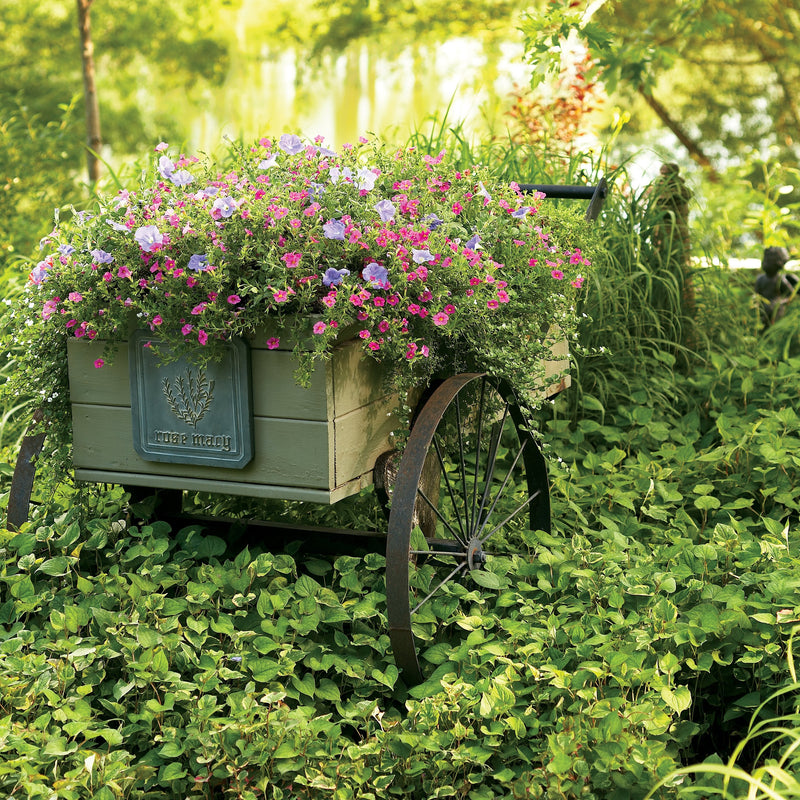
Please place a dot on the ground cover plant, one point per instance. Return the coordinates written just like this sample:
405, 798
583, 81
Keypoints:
648, 633
637, 638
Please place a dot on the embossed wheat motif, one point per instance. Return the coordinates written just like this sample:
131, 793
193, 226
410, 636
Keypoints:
194, 396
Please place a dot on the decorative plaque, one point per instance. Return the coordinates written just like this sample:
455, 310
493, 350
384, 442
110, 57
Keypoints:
190, 414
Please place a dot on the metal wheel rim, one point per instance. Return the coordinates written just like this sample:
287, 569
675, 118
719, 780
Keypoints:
405, 492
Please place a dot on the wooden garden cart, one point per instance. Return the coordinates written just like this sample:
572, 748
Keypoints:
470, 471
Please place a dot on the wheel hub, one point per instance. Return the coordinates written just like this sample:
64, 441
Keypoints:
476, 557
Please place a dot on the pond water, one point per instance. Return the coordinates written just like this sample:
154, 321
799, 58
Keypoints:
366, 88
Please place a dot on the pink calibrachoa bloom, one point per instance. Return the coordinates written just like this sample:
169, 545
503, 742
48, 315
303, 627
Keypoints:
187, 329
157, 319
49, 308
123, 272
75, 297
440, 319
233, 299
503, 296
449, 309
99, 363
492, 304
202, 337
291, 259
365, 334
373, 345
319, 327
578, 282
273, 343
199, 308
557, 274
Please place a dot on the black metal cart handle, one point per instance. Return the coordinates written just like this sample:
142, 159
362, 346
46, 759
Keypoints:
595, 194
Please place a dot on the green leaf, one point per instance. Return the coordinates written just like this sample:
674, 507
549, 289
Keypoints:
678, 700
486, 579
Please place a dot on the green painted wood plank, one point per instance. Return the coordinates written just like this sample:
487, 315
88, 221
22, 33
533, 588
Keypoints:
109, 385
261, 491
276, 394
357, 378
288, 452
361, 436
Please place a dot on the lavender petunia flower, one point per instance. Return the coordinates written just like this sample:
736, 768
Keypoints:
377, 275
421, 256
433, 221
324, 151
266, 163
66, 249
338, 174
166, 166
315, 191
366, 179
225, 206
473, 243
385, 209
101, 257
197, 262
333, 229
181, 177
333, 276
148, 238
39, 273
291, 144
483, 192
117, 226
521, 212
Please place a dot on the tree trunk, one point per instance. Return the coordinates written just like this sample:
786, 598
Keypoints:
93, 139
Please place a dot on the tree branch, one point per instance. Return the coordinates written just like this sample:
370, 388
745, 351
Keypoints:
693, 147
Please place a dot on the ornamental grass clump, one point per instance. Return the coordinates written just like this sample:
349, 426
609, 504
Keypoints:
436, 270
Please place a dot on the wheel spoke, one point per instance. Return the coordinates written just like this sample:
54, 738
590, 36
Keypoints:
450, 553
513, 514
497, 434
438, 586
443, 465
462, 467
460, 539
502, 488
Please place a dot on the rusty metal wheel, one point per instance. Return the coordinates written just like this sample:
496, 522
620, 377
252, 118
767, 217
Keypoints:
471, 479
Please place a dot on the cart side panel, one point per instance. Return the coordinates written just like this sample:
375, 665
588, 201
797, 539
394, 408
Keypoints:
321, 441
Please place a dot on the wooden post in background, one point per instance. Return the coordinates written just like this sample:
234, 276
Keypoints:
93, 138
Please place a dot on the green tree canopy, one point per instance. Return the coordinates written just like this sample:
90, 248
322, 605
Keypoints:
723, 75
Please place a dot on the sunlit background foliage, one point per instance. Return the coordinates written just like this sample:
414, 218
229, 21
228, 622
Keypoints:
650, 633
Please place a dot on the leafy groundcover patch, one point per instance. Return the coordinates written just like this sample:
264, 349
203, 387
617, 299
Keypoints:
143, 662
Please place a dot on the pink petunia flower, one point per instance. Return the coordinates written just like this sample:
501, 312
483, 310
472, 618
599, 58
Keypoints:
319, 327
202, 336
99, 363
273, 343
557, 274
233, 299
440, 319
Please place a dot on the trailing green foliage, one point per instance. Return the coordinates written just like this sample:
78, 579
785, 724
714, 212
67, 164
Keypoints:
654, 620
